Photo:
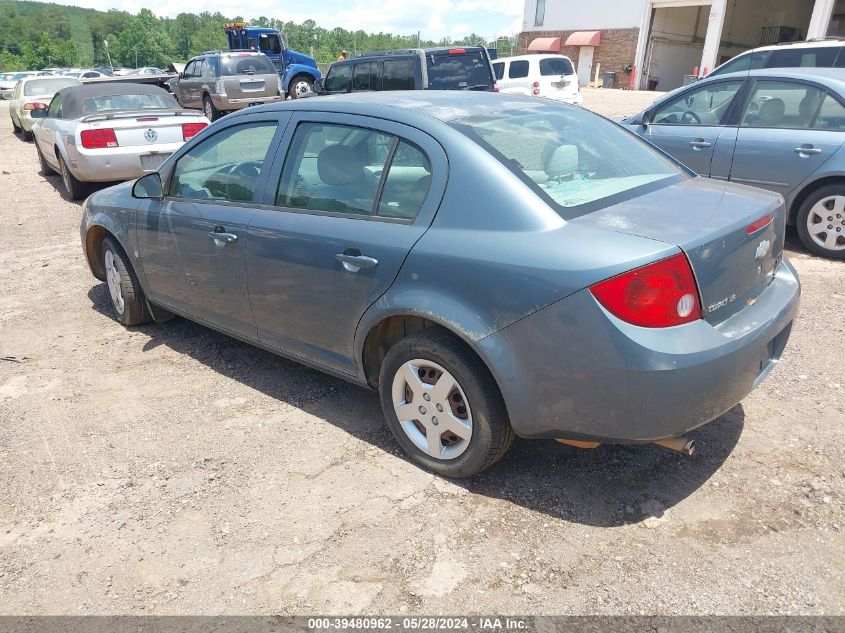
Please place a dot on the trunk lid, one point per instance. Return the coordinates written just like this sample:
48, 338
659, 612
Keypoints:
147, 129
709, 220
246, 86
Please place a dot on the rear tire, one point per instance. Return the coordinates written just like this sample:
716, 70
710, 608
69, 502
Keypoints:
211, 112
127, 297
16, 129
435, 382
27, 136
74, 188
821, 222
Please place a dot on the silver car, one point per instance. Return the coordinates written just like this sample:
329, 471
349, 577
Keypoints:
221, 82
106, 133
778, 129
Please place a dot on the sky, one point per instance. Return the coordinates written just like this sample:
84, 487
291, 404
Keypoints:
435, 18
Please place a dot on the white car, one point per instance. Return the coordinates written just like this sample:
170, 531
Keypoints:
549, 76
34, 93
7, 85
110, 132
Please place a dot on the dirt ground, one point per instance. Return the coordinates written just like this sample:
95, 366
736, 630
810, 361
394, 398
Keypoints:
168, 469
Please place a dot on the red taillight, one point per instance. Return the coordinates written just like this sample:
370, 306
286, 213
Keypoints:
536, 84
190, 130
98, 139
661, 294
495, 87
536, 92
457, 51
762, 223
35, 106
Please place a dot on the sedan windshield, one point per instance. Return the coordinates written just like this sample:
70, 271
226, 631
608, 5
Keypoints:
109, 103
39, 87
571, 158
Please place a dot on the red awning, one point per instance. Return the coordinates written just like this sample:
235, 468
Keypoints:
584, 38
544, 45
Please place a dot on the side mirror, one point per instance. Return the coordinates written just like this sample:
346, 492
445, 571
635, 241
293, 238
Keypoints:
647, 118
147, 187
41, 113
318, 86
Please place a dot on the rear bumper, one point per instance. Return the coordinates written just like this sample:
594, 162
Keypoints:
226, 104
118, 163
574, 371
577, 99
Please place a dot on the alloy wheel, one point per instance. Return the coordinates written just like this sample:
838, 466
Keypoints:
826, 223
432, 409
113, 282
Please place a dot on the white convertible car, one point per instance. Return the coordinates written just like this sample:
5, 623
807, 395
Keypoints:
110, 132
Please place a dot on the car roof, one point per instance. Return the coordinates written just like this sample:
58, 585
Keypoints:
73, 96
405, 105
833, 77
532, 56
821, 43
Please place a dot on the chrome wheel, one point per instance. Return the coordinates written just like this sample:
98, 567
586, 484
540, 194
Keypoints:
826, 223
209, 113
113, 281
432, 409
300, 88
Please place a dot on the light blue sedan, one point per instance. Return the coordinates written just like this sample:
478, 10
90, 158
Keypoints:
493, 265
779, 129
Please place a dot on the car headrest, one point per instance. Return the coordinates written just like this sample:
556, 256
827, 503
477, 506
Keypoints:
563, 161
807, 106
771, 112
339, 165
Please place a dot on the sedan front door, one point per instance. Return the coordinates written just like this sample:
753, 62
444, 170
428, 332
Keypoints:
193, 242
353, 196
788, 130
688, 126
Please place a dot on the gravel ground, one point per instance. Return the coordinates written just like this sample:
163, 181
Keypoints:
168, 469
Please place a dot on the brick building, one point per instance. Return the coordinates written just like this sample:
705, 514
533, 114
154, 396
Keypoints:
660, 43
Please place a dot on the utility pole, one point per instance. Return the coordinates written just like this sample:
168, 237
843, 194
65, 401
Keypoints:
136, 57
418, 38
106, 44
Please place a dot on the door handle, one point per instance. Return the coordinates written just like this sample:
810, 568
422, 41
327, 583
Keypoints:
219, 235
809, 150
354, 263
699, 144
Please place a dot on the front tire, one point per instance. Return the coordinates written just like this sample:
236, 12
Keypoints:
211, 112
46, 170
821, 222
443, 405
127, 297
300, 85
75, 189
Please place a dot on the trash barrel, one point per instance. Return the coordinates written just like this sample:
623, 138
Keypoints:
608, 80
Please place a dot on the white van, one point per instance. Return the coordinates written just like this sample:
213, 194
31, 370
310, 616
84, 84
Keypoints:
549, 76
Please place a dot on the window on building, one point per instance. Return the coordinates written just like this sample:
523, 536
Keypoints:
540, 14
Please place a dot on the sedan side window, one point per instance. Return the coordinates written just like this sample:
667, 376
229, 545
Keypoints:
55, 110
707, 105
781, 104
407, 183
831, 115
333, 169
227, 166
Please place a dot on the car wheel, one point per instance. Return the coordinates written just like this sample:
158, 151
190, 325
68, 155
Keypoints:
127, 298
300, 85
821, 222
75, 189
443, 406
16, 129
46, 170
27, 136
211, 113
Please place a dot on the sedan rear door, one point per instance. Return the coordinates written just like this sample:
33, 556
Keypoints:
788, 130
345, 204
689, 125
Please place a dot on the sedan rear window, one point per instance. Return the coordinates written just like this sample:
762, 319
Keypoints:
247, 65
109, 103
556, 66
458, 71
38, 87
569, 157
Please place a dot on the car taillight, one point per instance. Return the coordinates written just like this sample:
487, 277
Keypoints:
536, 84
98, 139
35, 106
457, 51
190, 130
495, 87
762, 223
536, 92
661, 294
